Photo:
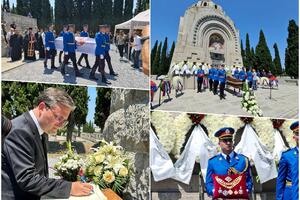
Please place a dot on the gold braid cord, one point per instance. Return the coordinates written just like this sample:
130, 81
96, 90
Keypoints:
229, 185
232, 170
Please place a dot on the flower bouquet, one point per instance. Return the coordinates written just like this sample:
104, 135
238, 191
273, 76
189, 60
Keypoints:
249, 103
69, 165
109, 167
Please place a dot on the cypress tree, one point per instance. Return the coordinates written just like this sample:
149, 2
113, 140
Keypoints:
248, 56
276, 61
253, 61
107, 8
138, 7
21, 7
156, 69
153, 53
164, 60
98, 14
128, 10
13, 9
292, 50
171, 55
118, 11
243, 52
263, 55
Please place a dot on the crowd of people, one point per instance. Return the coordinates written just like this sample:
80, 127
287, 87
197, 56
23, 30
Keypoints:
44, 42
215, 76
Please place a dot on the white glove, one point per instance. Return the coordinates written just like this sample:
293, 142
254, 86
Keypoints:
48, 48
66, 53
101, 56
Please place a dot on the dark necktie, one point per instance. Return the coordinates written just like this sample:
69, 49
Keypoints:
228, 158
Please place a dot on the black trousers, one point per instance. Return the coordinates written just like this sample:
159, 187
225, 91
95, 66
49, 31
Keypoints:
72, 56
59, 56
199, 81
50, 54
250, 84
85, 56
121, 50
108, 60
222, 87
216, 83
211, 84
101, 64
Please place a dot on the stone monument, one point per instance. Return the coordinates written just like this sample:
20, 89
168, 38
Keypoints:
207, 35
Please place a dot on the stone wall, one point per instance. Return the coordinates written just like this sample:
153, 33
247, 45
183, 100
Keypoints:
128, 126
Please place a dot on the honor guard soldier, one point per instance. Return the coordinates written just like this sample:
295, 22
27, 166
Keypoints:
100, 55
228, 164
84, 33
107, 48
50, 47
210, 77
70, 50
200, 75
65, 30
287, 186
216, 79
242, 75
222, 79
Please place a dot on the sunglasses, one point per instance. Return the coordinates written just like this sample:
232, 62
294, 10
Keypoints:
227, 140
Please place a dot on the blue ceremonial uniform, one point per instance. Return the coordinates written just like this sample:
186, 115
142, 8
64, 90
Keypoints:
200, 74
107, 56
249, 76
84, 34
100, 44
70, 48
49, 40
215, 75
100, 54
287, 185
236, 74
242, 75
61, 34
210, 73
218, 165
50, 49
69, 42
222, 75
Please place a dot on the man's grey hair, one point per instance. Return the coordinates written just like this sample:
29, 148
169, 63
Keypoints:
53, 96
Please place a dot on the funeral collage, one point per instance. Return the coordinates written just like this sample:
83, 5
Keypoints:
149, 100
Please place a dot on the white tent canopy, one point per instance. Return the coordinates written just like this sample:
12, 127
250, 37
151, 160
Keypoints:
139, 21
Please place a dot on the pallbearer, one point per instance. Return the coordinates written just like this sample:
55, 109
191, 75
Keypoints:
107, 48
70, 50
50, 47
84, 33
228, 173
100, 55
287, 186
65, 30
210, 77
222, 80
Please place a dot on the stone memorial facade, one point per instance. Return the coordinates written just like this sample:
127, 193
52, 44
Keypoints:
207, 35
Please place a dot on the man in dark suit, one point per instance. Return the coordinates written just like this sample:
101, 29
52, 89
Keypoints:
24, 151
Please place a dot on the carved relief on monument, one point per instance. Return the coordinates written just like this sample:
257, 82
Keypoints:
216, 42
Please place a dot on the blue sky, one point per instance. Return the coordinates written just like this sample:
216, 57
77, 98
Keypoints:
91, 104
272, 16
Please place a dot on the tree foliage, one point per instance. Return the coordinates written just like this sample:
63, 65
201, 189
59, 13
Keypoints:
102, 110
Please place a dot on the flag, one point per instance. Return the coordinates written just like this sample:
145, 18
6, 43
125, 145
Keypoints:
251, 147
279, 145
160, 163
197, 146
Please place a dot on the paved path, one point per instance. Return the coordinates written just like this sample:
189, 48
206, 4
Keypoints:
128, 77
283, 104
